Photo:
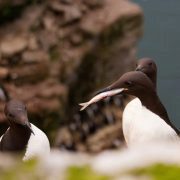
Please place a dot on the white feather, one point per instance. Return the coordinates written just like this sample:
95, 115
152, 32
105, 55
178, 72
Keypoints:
140, 125
38, 144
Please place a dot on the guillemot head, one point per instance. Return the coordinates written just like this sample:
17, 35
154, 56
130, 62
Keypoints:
148, 67
133, 83
16, 113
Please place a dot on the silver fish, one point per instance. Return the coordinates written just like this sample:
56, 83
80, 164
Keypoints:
99, 97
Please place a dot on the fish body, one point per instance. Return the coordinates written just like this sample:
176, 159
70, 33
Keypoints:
99, 97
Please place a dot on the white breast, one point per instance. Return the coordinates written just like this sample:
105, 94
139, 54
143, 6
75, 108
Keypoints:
38, 144
140, 125
131, 110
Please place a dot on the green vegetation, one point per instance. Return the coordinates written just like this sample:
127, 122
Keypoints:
160, 172
84, 173
20, 170
31, 170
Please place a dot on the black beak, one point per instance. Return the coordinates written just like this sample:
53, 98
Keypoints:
28, 125
138, 68
112, 91
102, 90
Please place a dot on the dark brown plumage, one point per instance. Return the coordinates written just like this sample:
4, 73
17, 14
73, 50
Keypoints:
138, 84
148, 67
19, 131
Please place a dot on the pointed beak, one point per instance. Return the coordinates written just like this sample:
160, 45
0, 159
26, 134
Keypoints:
114, 89
109, 92
102, 90
28, 125
139, 68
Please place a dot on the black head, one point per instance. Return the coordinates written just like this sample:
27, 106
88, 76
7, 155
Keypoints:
16, 113
133, 83
148, 67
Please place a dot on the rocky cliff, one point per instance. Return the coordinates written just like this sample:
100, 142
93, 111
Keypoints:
55, 54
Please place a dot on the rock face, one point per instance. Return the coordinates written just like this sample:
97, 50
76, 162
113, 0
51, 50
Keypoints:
55, 54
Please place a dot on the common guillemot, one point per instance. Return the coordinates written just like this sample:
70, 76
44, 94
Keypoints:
150, 122
21, 134
148, 67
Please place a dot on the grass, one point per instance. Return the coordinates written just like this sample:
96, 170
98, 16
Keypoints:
84, 173
160, 172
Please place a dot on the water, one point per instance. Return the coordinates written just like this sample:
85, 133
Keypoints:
161, 41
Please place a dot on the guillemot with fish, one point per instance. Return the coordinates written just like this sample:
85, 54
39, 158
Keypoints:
21, 134
150, 122
149, 68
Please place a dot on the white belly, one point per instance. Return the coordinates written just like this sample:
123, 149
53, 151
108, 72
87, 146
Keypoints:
38, 144
141, 125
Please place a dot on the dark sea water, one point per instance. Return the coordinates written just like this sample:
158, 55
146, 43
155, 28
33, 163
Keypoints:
161, 41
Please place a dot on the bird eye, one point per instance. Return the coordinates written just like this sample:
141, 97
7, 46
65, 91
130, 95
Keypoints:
150, 64
128, 83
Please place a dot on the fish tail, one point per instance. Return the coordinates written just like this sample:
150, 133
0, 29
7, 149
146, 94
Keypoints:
84, 105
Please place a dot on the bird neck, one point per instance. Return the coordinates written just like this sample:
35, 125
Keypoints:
18, 128
20, 134
153, 78
153, 103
